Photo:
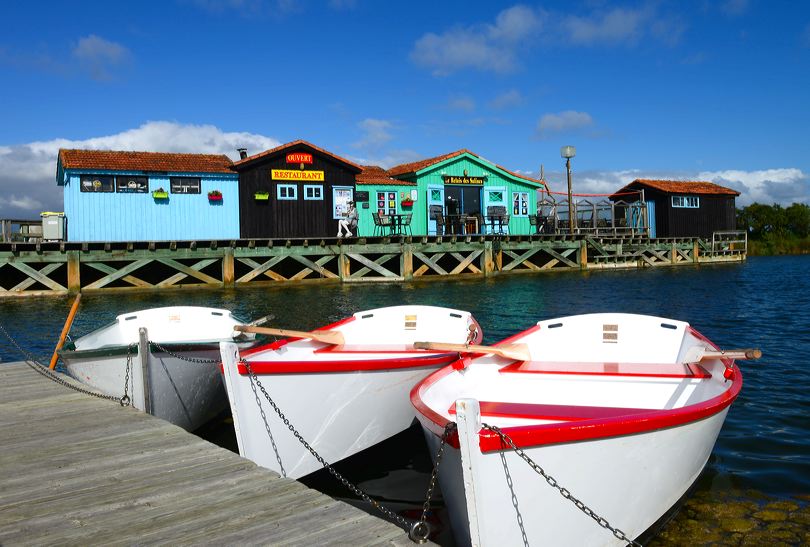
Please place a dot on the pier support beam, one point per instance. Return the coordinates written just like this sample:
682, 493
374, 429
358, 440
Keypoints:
228, 268
406, 261
74, 280
583, 255
487, 264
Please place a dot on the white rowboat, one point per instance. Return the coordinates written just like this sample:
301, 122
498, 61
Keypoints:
342, 398
162, 377
620, 410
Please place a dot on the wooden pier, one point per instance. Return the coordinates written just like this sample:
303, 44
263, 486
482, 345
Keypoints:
78, 470
67, 268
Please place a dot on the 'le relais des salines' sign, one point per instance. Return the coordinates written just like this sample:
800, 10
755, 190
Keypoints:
452, 179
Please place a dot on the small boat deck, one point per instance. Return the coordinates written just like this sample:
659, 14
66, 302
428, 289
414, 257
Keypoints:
77, 470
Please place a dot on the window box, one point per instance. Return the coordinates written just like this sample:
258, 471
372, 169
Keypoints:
407, 203
214, 195
160, 193
261, 196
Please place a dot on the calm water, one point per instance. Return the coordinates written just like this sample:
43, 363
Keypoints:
763, 303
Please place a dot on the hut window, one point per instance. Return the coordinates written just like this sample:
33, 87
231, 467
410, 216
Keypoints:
386, 203
97, 183
520, 204
435, 195
313, 192
287, 191
132, 185
185, 185
690, 202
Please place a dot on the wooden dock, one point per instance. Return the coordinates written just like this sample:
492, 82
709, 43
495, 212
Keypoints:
78, 470
59, 268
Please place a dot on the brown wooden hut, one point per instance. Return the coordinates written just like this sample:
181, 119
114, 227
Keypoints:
685, 208
296, 190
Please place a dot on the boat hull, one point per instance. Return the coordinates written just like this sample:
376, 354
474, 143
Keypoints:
337, 413
514, 505
184, 393
341, 398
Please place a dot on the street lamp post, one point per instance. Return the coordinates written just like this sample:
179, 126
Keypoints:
569, 152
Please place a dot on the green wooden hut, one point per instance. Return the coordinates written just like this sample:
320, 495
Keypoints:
463, 193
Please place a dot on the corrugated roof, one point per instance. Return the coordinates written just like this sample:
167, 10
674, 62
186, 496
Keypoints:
684, 187
278, 149
119, 160
373, 174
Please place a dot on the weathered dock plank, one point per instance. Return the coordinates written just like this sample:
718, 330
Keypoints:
77, 470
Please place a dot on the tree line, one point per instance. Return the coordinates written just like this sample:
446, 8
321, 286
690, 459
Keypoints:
773, 229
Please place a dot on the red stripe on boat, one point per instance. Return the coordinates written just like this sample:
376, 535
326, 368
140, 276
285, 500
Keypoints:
309, 367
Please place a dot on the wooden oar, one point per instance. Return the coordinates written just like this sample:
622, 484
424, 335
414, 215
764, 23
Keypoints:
696, 355
325, 336
518, 352
65, 330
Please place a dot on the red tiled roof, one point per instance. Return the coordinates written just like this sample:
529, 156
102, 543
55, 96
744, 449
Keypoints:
278, 149
413, 167
116, 160
684, 187
372, 174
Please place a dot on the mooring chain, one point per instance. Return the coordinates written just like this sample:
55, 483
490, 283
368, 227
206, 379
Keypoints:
335, 473
420, 530
564, 492
125, 400
32, 362
198, 360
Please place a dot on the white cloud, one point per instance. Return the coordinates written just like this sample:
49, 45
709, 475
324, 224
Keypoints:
488, 47
568, 121
786, 185
99, 56
376, 133
507, 99
462, 102
28, 171
614, 26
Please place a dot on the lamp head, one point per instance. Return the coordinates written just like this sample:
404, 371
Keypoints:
568, 151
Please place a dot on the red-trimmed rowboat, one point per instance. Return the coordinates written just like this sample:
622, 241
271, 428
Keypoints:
341, 398
621, 410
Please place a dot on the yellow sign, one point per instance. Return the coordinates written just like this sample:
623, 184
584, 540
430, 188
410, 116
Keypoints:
292, 174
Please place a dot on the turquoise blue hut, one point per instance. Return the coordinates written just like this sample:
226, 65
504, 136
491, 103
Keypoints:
148, 196
462, 193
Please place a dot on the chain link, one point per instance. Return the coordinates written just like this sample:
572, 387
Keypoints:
334, 472
32, 362
564, 492
198, 360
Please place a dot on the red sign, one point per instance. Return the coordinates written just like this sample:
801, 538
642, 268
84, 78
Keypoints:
299, 157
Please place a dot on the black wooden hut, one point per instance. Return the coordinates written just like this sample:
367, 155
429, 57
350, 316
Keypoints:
685, 208
296, 190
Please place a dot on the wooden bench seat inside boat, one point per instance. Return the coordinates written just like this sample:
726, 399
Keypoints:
374, 348
552, 412
652, 370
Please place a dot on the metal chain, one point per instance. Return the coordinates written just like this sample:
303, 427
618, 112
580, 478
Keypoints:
32, 362
357, 491
198, 360
420, 530
564, 492
125, 400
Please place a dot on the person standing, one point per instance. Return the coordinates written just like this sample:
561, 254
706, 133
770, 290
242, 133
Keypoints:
349, 223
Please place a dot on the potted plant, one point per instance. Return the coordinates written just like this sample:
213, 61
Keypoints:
160, 193
407, 202
215, 195
261, 196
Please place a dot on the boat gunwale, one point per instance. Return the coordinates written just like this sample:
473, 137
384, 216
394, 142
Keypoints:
528, 436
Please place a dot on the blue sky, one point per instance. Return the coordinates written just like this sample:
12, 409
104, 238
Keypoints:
691, 90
